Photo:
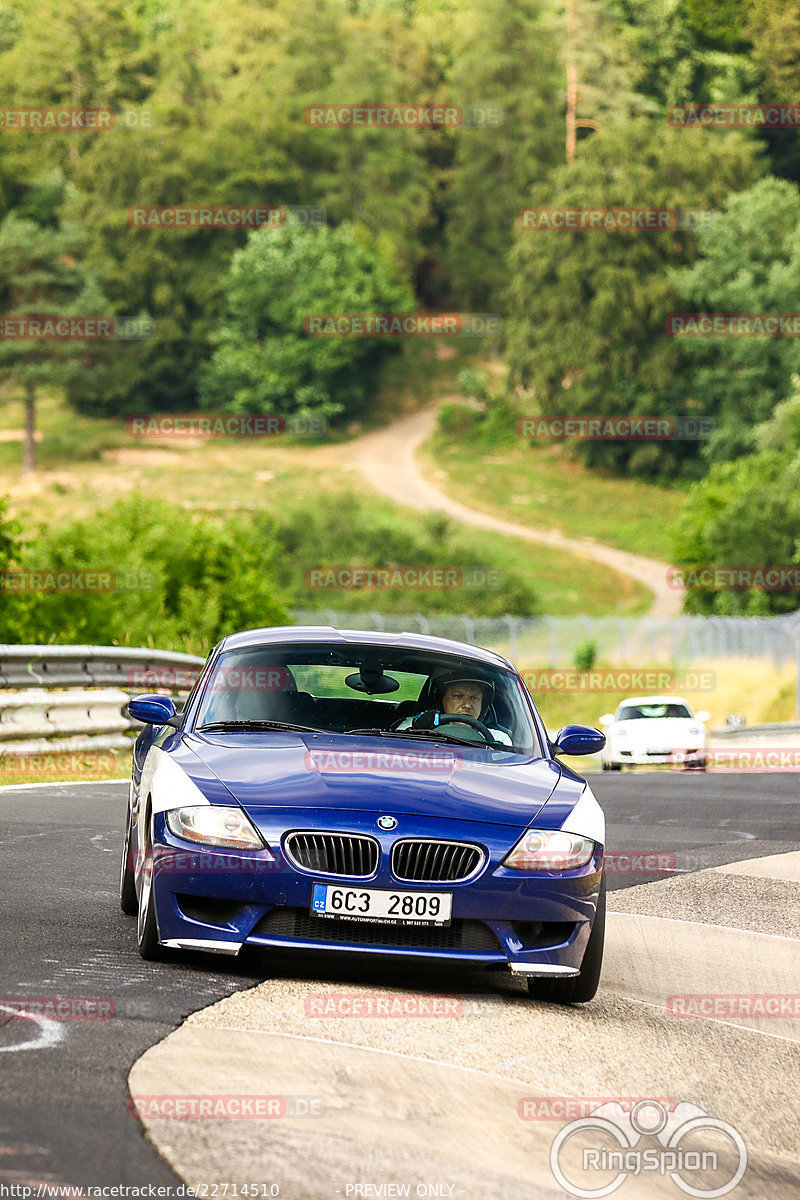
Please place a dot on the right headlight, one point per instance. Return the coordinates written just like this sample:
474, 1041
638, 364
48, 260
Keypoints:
549, 850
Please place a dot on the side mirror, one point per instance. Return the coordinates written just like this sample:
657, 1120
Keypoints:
152, 709
702, 715
579, 739
607, 719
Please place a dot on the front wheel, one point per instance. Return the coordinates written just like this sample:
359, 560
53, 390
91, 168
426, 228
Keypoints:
146, 927
579, 988
127, 883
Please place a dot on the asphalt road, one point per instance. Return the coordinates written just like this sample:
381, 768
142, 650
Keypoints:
63, 1109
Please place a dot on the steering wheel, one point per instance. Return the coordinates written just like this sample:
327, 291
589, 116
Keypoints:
463, 719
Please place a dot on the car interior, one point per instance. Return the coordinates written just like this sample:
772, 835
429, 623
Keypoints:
367, 706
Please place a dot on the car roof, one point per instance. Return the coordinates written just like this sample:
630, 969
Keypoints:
653, 700
275, 634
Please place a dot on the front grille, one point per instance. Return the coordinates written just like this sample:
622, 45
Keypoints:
299, 924
430, 861
347, 854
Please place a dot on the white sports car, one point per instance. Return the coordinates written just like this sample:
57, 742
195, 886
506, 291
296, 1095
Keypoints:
654, 729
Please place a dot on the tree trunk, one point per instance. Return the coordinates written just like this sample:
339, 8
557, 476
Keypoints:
572, 82
29, 450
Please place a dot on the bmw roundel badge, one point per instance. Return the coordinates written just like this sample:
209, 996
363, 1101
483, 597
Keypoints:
387, 822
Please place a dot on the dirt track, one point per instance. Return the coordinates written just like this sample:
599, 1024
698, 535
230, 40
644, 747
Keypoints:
387, 459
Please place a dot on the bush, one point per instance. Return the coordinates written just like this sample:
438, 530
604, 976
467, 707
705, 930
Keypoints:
265, 361
178, 584
586, 656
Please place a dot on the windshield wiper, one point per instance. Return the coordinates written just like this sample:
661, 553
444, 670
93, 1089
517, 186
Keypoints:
221, 726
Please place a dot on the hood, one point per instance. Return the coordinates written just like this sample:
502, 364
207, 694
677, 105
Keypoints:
368, 774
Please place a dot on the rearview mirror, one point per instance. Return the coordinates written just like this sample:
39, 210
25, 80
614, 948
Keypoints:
579, 739
702, 715
152, 709
607, 719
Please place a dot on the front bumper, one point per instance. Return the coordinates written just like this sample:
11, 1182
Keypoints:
222, 901
676, 757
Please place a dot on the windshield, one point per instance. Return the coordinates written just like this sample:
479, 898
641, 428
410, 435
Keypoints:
636, 712
346, 689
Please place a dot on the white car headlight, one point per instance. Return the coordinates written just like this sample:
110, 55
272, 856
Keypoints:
540, 850
215, 826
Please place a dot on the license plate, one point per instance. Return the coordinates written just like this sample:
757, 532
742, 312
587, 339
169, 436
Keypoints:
390, 908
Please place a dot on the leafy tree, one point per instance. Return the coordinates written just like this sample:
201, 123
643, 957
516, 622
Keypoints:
264, 360
747, 513
41, 275
587, 308
748, 262
743, 513
506, 77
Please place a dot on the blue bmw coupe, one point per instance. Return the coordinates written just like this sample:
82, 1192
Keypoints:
371, 794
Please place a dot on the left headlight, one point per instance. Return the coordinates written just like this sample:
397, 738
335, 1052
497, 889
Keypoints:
211, 826
539, 850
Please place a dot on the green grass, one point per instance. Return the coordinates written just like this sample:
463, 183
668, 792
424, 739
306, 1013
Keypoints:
87, 463
77, 766
538, 486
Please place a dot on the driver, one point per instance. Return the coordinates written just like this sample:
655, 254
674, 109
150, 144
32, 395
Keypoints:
459, 694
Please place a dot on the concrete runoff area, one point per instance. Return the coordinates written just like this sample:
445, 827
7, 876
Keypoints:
441, 1104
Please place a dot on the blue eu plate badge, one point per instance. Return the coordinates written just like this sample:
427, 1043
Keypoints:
318, 897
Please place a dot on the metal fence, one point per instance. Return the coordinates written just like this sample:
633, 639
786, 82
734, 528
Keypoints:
554, 642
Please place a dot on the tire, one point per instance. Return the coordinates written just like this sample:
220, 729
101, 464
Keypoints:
615, 766
127, 883
579, 988
146, 927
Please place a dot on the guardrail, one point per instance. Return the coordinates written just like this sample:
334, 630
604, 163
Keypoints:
71, 698
773, 733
